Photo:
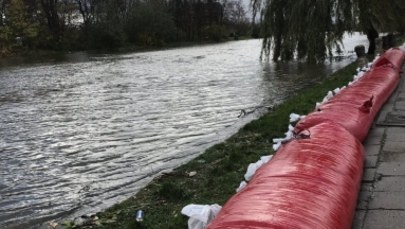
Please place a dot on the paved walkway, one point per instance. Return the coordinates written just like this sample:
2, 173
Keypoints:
382, 197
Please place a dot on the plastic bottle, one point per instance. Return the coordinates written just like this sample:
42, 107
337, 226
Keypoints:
139, 216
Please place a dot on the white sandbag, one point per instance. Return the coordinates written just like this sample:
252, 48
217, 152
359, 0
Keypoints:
276, 146
200, 215
241, 186
294, 117
251, 170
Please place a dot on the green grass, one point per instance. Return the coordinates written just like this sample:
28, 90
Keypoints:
219, 169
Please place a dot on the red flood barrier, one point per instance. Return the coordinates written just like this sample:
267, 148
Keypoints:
356, 106
313, 180
393, 57
310, 183
378, 83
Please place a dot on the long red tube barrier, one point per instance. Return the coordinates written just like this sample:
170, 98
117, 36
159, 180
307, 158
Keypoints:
393, 57
313, 180
356, 106
309, 183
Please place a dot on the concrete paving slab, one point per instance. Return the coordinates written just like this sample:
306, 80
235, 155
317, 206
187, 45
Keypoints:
373, 140
400, 99
390, 184
395, 137
401, 96
366, 187
391, 146
395, 134
394, 96
388, 200
392, 156
371, 161
363, 200
358, 219
376, 132
391, 168
372, 150
384, 219
389, 106
382, 116
394, 118
391, 131
368, 175
399, 108
399, 104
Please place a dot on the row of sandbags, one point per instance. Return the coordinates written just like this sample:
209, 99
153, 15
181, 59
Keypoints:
313, 180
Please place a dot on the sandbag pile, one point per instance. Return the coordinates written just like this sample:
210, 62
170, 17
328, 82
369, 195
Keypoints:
313, 180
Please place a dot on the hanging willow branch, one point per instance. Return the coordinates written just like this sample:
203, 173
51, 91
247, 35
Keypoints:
311, 28
304, 28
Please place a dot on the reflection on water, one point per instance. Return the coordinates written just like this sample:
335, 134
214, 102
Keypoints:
78, 136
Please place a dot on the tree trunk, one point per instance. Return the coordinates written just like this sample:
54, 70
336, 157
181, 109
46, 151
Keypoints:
372, 34
51, 13
277, 48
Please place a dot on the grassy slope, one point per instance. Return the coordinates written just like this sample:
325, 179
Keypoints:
219, 170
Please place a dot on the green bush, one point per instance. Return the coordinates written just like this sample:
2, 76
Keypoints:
214, 32
105, 36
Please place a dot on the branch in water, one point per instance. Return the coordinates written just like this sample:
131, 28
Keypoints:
244, 112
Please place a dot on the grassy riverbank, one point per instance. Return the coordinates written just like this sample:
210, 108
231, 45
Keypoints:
218, 171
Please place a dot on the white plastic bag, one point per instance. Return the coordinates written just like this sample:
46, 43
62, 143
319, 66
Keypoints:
329, 95
276, 146
251, 170
294, 117
317, 105
253, 167
289, 134
336, 91
200, 215
241, 186
266, 159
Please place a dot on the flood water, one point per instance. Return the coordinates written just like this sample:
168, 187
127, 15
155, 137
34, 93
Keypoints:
81, 132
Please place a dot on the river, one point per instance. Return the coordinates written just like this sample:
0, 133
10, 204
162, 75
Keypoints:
81, 132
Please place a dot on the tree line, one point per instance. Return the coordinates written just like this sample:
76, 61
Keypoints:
303, 29
108, 24
311, 28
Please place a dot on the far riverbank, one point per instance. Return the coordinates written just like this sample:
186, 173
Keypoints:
24, 56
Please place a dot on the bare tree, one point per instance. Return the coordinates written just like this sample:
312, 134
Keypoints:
50, 9
87, 9
235, 17
237, 13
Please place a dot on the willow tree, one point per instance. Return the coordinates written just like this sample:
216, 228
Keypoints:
311, 28
376, 16
304, 28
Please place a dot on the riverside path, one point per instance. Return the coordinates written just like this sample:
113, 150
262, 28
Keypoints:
381, 201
